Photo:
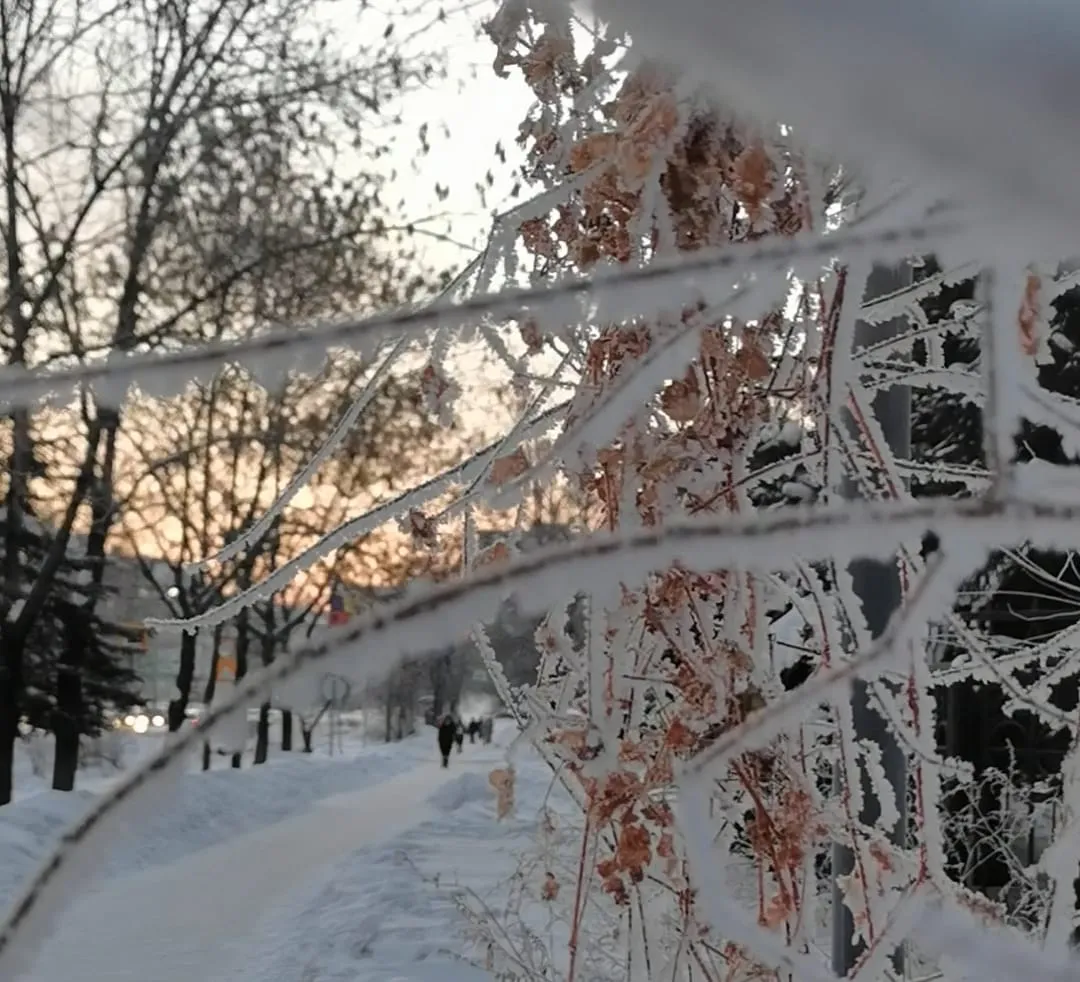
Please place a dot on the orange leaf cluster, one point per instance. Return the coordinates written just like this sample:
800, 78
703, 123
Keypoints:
532, 336
494, 554
780, 834
1029, 316
655, 174
502, 780
504, 469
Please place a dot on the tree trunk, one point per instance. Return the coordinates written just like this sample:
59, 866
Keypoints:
307, 732
286, 730
438, 673
69, 690
184, 677
208, 693
20, 463
242, 640
65, 717
9, 726
65, 728
262, 739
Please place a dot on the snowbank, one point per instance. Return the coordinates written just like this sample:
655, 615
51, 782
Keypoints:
468, 787
202, 809
29, 827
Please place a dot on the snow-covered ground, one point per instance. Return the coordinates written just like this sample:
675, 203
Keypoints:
306, 869
122, 750
388, 912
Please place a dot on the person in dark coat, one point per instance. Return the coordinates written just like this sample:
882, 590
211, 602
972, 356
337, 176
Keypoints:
474, 729
447, 734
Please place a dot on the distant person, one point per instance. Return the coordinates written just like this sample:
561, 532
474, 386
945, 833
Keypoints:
474, 729
486, 728
447, 734
459, 736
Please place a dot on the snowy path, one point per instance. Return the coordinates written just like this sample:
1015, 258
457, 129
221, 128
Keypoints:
194, 920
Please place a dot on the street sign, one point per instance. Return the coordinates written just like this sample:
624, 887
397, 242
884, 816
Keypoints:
335, 690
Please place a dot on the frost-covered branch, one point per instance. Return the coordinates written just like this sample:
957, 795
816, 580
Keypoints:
163, 374
354, 528
301, 478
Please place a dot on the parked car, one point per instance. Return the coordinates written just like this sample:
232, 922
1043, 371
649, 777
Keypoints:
140, 720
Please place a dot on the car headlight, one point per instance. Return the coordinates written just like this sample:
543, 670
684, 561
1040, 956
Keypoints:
141, 724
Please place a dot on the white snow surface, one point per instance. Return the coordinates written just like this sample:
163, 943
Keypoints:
388, 913
465, 789
304, 868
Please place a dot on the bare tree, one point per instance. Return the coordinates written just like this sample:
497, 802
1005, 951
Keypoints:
239, 446
145, 149
400, 693
446, 677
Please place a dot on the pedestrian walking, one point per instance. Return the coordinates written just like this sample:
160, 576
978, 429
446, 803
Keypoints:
447, 734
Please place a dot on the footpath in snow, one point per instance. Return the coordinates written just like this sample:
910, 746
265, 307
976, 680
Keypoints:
210, 808
390, 913
278, 876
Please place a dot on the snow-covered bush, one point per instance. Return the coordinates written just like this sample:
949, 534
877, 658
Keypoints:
772, 401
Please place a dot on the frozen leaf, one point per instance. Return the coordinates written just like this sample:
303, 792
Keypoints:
1029, 315
502, 780
532, 336
421, 527
504, 469
634, 850
681, 399
493, 555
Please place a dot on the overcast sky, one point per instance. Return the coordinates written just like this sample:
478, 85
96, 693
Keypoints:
479, 110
